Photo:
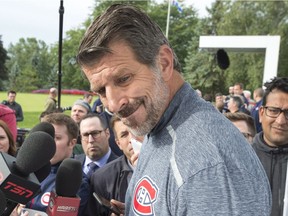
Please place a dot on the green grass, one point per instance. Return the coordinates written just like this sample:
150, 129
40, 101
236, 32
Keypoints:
33, 105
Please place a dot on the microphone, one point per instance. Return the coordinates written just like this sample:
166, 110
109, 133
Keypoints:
222, 59
64, 200
17, 180
44, 127
2, 202
42, 173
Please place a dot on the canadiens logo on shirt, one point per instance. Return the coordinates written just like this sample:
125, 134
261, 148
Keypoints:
145, 196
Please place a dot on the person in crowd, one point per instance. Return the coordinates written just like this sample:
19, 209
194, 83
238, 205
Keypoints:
185, 166
66, 132
12, 104
87, 98
51, 102
251, 102
97, 106
227, 98
219, 102
234, 104
8, 116
238, 90
257, 95
95, 142
7, 143
99, 109
111, 181
78, 111
245, 123
271, 145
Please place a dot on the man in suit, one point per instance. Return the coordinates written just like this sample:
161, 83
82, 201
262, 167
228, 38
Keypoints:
111, 181
95, 142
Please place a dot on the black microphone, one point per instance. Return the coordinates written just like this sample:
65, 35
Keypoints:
44, 127
64, 200
17, 181
222, 59
2, 202
42, 173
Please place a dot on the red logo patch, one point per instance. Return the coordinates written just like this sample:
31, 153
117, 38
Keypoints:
145, 196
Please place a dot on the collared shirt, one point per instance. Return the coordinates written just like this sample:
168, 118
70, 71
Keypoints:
99, 163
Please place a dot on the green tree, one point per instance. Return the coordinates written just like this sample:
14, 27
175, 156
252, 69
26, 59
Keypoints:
30, 65
3, 68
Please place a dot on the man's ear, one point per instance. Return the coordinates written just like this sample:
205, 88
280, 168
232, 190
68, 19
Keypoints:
73, 142
261, 113
118, 144
165, 59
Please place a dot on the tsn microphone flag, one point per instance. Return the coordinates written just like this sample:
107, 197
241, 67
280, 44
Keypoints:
179, 8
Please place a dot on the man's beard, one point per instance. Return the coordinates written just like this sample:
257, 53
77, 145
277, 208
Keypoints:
154, 109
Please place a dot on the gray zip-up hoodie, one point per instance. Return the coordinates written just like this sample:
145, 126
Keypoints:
195, 162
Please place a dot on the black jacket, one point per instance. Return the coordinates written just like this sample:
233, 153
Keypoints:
111, 182
274, 161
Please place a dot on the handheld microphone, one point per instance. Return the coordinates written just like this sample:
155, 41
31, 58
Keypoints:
44, 127
64, 200
17, 180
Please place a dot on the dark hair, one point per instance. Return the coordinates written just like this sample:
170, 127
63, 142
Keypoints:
239, 116
63, 119
102, 119
126, 23
238, 100
12, 145
240, 84
279, 83
11, 92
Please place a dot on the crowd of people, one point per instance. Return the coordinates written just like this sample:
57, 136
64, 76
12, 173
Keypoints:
228, 157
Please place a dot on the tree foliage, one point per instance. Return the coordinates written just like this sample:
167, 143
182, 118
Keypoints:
29, 64
3, 68
34, 65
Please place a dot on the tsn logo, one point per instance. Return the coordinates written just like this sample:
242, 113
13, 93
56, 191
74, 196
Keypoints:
17, 189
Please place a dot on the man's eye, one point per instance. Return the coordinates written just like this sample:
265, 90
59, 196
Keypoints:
123, 79
101, 92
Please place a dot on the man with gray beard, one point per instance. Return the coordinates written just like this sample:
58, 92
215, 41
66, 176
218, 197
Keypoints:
193, 161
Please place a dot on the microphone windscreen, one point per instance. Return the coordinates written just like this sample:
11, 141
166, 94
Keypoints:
2, 202
45, 127
222, 59
43, 172
36, 151
68, 178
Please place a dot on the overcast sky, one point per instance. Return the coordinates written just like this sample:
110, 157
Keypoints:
40, 19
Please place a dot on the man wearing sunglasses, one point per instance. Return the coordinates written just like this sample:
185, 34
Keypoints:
271, 145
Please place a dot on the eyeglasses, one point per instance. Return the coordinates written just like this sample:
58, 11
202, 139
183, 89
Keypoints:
95, 134
274, 112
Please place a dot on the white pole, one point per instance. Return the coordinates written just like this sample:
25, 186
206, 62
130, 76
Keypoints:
168, 18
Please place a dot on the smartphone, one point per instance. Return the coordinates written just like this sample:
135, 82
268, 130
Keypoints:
32, 212
106, 204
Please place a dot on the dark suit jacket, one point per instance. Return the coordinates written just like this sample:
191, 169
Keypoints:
110, 182
81, 158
